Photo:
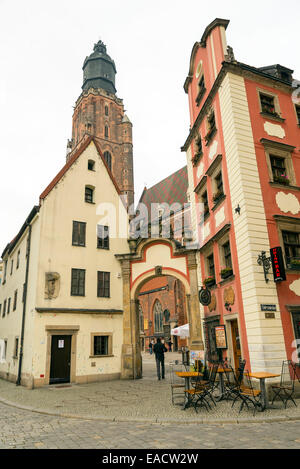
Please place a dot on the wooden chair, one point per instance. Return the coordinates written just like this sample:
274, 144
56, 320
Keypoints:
249, 395
285, 389
234, 380
197, 395
177, 384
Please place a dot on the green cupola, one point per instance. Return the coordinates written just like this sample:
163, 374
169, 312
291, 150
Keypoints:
99, 70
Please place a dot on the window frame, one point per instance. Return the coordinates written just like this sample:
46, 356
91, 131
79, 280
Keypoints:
286, 225
103, 284
15, 300
104, 239
79, 271
275, 149
297, 111
78, 233
92, 164
109, 336
89, 199
277, 112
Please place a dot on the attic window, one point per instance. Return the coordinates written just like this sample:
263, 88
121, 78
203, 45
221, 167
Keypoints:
89, 194
91, 165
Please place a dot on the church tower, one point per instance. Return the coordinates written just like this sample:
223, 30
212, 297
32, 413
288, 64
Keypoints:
100, 113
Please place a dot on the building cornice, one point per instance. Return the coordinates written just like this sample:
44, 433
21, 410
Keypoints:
79, 310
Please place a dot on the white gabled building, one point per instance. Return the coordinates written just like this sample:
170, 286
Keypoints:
62, 294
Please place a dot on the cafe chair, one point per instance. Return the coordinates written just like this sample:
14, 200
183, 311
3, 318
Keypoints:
197, 395
285, 389
177, 386
233, 380
249, 395
208, 386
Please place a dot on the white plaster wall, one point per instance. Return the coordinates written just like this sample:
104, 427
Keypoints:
265, 337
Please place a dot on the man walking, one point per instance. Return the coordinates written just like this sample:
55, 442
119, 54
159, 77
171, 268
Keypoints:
159, 349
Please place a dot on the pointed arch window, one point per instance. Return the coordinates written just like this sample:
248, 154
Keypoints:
158, 317
107, 157
106, 110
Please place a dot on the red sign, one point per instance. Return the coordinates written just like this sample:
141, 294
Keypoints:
277, 264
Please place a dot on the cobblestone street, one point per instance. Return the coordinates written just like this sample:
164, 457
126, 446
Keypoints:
38, 429
28, 430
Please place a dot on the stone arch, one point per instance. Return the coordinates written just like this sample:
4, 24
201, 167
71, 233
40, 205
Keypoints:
150, 258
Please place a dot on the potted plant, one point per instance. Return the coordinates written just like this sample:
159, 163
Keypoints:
282, 179
209, 281
295, 264
226, 272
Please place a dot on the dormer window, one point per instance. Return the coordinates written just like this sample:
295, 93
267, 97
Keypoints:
91, 165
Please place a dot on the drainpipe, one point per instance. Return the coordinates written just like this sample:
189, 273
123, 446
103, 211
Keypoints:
18, 382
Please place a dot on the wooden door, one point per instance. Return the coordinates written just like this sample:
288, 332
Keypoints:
60, 359
236, 344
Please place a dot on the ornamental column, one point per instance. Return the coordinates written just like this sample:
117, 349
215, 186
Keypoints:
131, 360
196, 341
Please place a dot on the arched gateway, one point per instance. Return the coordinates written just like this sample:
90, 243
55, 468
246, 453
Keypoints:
150, 258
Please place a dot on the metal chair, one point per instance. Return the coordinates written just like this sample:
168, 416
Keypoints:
249, 395
177, 384
210, 385
285, 389
197, 395
232, 386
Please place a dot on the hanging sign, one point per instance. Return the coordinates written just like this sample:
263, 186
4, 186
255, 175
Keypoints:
277, 264
221, 339
204, 296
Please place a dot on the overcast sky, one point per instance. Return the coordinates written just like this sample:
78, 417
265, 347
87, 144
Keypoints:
44, 44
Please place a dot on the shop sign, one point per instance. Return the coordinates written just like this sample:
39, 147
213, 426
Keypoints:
277, 264
221, 339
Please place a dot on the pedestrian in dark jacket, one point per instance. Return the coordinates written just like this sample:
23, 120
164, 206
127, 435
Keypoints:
159, 349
